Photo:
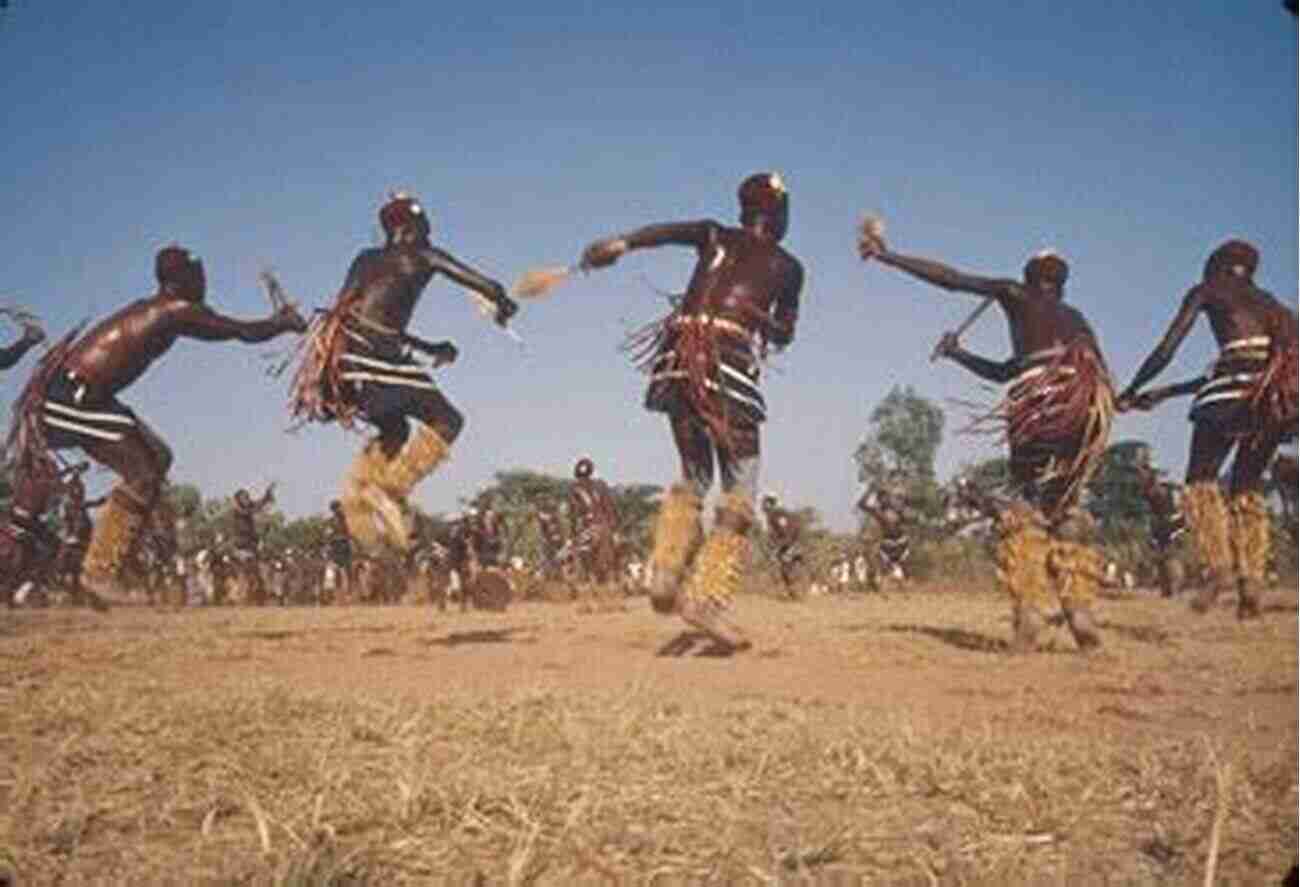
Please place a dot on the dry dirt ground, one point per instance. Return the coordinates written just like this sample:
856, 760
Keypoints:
879, 739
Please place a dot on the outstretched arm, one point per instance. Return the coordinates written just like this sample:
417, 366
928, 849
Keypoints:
201, 322
603, 253
32, 335
1158, 359
949, 278
445, 263
871, 245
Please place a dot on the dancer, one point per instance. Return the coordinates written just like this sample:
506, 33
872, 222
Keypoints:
1056, 418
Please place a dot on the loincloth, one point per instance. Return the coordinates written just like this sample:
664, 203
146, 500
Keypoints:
53, 412
1059, 410
706, 365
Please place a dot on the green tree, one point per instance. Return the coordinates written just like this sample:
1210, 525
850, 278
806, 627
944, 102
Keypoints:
1115, 493
903, 435
637, 506
185, 499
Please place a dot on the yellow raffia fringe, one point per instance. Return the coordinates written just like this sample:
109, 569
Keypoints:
358, 512
395, 520
1250, 536
1207, 518
1022, 552
423, 451
677, 529
1080, 571
360, 518
115, 530
377, 487
719, 569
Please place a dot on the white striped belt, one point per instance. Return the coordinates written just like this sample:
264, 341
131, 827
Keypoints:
712, 322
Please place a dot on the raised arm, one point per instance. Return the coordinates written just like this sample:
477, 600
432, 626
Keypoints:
949, 278
605, 252
267, 498
1158, 359
445, 263
871, 245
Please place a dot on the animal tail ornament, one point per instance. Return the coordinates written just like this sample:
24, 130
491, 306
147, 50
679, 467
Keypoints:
872, 231
542, 282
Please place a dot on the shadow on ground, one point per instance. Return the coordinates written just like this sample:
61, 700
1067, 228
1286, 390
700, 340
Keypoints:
1143, 634
695, 643
960, 638
483, 636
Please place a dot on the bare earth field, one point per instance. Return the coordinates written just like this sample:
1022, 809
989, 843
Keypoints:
885, 739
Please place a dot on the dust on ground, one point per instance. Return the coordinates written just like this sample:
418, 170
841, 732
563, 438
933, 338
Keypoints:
877, 739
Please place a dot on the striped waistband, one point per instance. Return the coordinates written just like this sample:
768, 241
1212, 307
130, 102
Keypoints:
1036, 362
1250, 342
1030, 373
712, 322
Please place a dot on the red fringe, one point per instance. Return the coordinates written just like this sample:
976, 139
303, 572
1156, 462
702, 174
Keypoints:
1274, 396
696, 353
315, 391
1072, 396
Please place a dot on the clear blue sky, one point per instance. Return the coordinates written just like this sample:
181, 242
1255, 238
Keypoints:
1131, 137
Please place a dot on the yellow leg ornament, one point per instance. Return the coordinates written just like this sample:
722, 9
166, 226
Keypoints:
1080, 571
1022, 553
355, 499
377, 487
678, 533
1250, 549
719, 572
115, 530
1207, 517
423, 452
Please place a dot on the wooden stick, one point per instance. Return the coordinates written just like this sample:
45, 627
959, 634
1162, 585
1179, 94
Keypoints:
965, 324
